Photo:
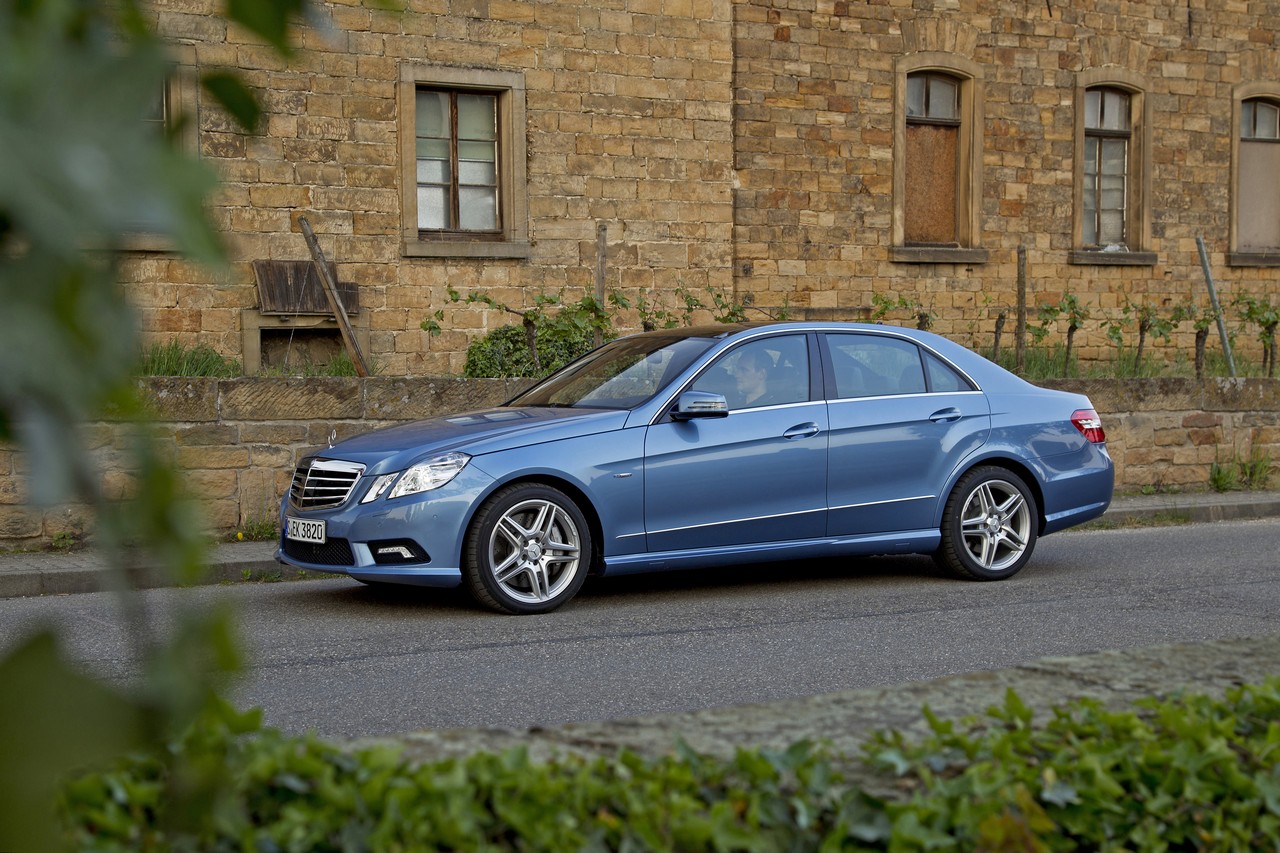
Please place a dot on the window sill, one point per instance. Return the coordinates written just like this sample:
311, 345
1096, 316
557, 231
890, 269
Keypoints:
465, 249
1099, 258
937, 255
1253, 259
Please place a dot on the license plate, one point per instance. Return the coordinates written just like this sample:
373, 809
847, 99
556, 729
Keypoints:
302, 530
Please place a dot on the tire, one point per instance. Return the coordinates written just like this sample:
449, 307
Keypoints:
527, 551
989, 526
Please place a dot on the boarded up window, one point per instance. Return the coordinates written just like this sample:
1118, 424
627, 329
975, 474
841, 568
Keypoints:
1258, 214
932, 159
931, 164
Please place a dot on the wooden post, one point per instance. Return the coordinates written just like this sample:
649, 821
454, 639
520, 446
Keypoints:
335, 301
1020, 324
1217, 309
602, 248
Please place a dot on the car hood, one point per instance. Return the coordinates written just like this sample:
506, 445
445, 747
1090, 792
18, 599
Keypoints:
476, 433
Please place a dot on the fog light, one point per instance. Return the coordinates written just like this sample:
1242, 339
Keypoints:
397, 551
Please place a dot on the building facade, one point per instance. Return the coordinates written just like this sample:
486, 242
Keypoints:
829, 158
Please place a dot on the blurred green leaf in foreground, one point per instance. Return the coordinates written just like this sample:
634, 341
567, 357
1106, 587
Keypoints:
81, 169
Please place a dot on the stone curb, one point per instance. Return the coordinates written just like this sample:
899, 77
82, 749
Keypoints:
23, 575
1174, 510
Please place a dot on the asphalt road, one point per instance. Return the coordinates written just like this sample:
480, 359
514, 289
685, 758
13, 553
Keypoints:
346, 660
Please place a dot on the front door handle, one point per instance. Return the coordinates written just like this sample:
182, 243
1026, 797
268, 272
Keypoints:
945, 416
801, 431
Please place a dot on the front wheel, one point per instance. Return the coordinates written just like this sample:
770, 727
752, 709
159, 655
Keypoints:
528, 550
988, 526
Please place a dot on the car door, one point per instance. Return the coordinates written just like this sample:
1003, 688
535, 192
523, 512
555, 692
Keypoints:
901, 420
755, 475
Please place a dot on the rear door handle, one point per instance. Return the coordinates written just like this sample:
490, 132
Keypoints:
801, 431
945, 416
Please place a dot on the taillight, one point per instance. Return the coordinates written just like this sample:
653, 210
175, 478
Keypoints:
1089, 424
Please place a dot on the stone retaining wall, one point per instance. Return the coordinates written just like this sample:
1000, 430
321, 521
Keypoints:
237, 440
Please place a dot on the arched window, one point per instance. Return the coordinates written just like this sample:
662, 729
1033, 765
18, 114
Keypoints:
1112, 170
1258, 177
937, 159
932, 160
1108, 131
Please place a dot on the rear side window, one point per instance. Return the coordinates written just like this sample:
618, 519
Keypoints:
943, 379
874, 366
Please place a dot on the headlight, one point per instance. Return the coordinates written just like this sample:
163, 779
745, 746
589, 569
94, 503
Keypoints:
431, 474
379, 486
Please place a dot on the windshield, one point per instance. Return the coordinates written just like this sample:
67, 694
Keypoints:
619, 375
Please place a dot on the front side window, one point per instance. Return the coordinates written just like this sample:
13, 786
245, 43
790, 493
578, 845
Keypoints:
768, 372
457, 149
1107, 140
1258, 190
933, 140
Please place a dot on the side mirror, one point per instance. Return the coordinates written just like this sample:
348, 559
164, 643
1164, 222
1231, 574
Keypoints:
700, 404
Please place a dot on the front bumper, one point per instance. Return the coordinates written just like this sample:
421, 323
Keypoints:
433, 524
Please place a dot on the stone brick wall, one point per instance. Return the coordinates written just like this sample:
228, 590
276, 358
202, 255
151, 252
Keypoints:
814, 135
628, 122
237, 441
742, 145
1167, 433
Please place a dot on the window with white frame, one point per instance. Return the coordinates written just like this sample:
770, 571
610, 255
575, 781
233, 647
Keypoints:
1112, 221
169, 113
463, 145
457, 161
1107, 136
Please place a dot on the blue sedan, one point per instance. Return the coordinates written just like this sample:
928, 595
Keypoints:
709, 446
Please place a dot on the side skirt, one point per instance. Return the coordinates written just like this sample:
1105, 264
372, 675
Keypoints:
900, 542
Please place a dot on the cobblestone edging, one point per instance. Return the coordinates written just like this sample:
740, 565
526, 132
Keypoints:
237, 440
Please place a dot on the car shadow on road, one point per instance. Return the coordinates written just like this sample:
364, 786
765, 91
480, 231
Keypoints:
745, 578
738, 580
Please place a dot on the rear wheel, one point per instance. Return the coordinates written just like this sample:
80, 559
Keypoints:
988, 525
527, 551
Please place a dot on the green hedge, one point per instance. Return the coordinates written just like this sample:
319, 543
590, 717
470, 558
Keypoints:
1186, 773
504, 352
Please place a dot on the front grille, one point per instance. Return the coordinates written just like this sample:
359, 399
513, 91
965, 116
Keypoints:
323, 483
335, 552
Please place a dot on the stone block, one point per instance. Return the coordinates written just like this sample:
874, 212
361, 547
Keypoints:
180, 399
413, 399
209, 485
17, 522
198, 458
290, 399
206, 434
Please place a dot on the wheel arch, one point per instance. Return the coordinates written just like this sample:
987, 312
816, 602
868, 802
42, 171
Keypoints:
571, 491
1015, 466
